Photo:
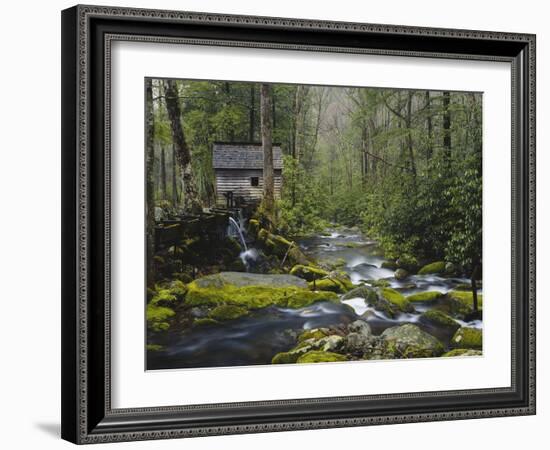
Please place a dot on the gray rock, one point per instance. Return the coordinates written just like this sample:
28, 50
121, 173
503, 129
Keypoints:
332, 343
366, 292
361, 327
198, 313
409, 341
241, 279
401, 274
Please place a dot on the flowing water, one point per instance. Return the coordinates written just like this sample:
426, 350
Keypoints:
255, 339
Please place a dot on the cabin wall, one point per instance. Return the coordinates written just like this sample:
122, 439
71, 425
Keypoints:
239, 181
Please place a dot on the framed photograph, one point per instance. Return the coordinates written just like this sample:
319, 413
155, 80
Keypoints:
279, 224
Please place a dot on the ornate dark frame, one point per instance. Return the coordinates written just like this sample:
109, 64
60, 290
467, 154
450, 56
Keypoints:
87, 32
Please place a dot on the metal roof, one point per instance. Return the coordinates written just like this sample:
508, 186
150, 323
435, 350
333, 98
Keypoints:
243, 156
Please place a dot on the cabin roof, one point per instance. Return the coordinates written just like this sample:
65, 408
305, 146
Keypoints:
243, 156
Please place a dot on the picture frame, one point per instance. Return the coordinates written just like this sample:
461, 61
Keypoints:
87, 413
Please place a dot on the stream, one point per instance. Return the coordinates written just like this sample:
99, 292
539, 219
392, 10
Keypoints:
256, 338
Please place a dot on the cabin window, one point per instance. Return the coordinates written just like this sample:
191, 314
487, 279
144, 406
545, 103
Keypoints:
254, 181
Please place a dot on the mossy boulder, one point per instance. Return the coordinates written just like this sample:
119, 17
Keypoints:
164, 297
308, 273
227, 312
397, 299
366, 292
439, 319
427, 297
281, 247
400, 274
253, 291
285, 358
318, 356
254, 227
205, 321
316, 333
462, 352
435, 267
467, 337
154, 348
379, 283
409, 341
158, 317
466, 298
392, 265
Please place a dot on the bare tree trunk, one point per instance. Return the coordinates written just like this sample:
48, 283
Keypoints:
251, 114
429, 147
267, 144
174, 179
150, 204
163, 173
447, 127
408, 124
191, 202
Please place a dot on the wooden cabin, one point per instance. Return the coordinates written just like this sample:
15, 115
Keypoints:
238, 168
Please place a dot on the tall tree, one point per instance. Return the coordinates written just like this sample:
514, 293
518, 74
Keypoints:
163, 190
149, 180
447, 127
251, 112
267, 145
174, 178
191, 202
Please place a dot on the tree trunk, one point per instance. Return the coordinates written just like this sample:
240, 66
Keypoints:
429, 147
408, 124
474, 276
150, 204
191, 202
447, 127
175, 201
267, 145
252, 125
163, 173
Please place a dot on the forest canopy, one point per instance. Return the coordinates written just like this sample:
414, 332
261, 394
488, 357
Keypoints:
405, 166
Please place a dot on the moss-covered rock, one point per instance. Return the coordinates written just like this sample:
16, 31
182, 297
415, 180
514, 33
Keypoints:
400, 274
308, 273
227, 312
366, 292
392, 265
254, 227
397, 299
158, 317
435, 267
205, 321
428, 296
317, 356
462, 352
316, 333
466, 298
409, 341
154, 348
285, 358
227, 288
379, 283
467, 337
439, 319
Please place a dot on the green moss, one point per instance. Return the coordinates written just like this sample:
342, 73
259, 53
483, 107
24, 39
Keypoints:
466, 298
285, 358
254, 297
308, 273
467, 338
320, 356
205, 321
328, 285
311, 334
462, 352
396, 298
379, 283
439, 318
163, 297
227, 312
435, 267
158, 316
429, 296
154, 348
178, 288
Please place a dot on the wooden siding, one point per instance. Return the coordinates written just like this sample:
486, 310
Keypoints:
238, 181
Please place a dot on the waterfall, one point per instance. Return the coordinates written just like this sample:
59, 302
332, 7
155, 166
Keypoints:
236, 225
